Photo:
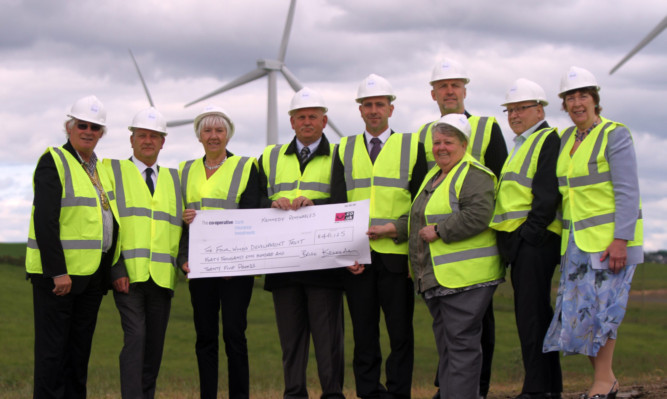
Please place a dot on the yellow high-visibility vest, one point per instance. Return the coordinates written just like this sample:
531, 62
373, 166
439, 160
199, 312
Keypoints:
222, 190
584, 181
284, 177
386, 182
514, 196
81, 226
150, 225
468, 262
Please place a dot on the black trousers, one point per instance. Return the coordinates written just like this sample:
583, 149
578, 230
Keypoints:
211, 297
64, 327
374, 289
531, 272
144, 314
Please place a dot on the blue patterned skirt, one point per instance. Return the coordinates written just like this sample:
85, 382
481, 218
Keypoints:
590, 304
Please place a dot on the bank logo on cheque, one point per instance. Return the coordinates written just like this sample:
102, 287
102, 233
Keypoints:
343, 216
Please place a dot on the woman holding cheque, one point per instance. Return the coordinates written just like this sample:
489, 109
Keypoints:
219, 180
453, 253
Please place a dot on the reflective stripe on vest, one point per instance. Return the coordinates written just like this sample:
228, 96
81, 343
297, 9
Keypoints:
586, 175
463, 263
235, 184
514, 196
297, 184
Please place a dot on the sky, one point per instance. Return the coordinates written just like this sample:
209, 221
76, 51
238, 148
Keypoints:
53, 53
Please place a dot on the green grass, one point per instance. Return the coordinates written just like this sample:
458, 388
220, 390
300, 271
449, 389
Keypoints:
639, 356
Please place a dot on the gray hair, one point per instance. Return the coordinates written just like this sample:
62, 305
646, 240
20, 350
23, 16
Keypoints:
213, 120
450, 131
69, 125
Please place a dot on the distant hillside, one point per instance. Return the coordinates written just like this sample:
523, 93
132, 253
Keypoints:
12, 254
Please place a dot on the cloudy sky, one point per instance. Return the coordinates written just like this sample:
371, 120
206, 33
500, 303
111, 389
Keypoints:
52, 53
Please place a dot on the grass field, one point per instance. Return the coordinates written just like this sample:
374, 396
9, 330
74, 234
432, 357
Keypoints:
639, 358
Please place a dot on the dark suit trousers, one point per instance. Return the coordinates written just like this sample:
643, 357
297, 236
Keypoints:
531, 274
393, 292
210, 297
64, 327
301, 311
144, 314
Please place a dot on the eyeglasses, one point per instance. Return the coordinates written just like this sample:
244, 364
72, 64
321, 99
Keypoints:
519, 110
85, 125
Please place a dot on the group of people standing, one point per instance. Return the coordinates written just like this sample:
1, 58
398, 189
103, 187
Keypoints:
449, 210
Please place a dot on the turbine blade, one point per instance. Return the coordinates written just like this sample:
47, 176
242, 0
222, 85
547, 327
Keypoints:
143, 82
286, 31
291, 79
333, 127
241, 80
655, 32
180, 122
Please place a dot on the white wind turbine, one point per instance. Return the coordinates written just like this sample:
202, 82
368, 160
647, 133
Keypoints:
270, 68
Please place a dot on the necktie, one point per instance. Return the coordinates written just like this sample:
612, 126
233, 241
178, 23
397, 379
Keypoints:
375, 149
149, 180
305, 152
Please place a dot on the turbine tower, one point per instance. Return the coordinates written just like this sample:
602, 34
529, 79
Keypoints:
269, 68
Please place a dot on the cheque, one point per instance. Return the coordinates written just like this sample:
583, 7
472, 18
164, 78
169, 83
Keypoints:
238, 242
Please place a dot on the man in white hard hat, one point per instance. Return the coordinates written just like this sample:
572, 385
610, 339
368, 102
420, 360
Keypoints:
71, 248
150, 207
487, 145
306, 303
395, 166
527, 200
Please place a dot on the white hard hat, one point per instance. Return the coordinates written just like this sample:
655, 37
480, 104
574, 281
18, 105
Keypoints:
375, 86
306, 98
89, 109
577, 78
525, 90
448, 69
150, 119
211, 109
457, 121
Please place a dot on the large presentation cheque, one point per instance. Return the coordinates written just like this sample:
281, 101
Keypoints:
238, 242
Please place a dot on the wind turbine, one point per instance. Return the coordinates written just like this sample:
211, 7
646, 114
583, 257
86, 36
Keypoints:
655, 32
150, 99
270, 68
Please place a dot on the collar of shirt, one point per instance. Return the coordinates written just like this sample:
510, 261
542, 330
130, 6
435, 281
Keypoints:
520, 139
312, 147
142, 168
384, 136
90, 166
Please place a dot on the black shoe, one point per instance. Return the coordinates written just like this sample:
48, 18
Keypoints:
437, 395
611, 395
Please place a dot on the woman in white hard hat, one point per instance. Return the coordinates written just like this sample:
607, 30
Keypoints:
219, 180
602, 231
453, 253
71, 248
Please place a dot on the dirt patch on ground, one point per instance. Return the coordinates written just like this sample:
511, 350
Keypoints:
646, 391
